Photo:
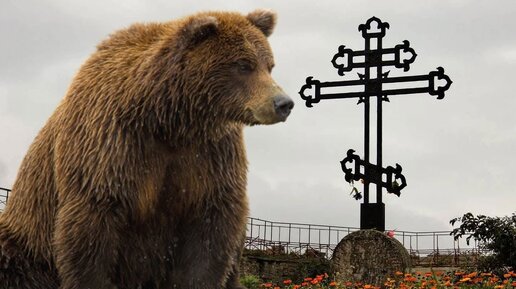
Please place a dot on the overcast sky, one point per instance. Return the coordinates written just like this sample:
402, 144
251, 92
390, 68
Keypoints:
458, 154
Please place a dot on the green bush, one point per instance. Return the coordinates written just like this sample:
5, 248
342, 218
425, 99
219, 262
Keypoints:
496, 235
251, 281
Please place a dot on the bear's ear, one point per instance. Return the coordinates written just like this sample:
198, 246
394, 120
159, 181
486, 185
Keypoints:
265, 20
197, 29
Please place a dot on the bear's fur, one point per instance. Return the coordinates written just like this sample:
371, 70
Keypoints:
138, 179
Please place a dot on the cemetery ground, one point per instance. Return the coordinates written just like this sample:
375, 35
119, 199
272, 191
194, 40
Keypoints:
489, 264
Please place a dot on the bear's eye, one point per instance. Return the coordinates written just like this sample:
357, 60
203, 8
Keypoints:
245, 66
271, 66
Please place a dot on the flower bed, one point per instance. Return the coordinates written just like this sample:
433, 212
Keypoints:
435, 280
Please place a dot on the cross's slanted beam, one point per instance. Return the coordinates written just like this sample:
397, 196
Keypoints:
394, 180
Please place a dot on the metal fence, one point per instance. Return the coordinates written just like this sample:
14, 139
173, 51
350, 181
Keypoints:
425, 248
4, 196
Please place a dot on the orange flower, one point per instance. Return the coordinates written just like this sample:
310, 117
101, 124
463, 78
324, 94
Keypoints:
498, 287
308, 279
428, 274
458, 273
513, 284
471, 275
448, 284
277, 287
296, 287
287, 282
349, 284
304, 284
467, 279
326, 275
398, 273
333, 283
267, 285
367, 286
507, 276
315, 281
410, 279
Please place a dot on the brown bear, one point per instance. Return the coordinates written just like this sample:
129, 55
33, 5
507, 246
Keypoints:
138, 179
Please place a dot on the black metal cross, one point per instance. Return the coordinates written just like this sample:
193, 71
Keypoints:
371, 84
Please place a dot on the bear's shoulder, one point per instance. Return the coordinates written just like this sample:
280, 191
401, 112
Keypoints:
136, 35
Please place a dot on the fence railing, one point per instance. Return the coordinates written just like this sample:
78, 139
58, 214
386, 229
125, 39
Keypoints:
4, 196
426, 248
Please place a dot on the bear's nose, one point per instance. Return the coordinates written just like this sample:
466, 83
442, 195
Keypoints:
283, 105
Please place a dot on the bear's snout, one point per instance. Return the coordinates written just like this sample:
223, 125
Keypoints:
283, 105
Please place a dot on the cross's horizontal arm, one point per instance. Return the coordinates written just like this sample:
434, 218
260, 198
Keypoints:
372, 87
346, 59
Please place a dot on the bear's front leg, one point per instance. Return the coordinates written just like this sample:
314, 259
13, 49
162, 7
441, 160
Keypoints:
86, 240
233, 281
206, 250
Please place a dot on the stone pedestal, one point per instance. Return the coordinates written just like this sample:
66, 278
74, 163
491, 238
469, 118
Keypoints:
369, 256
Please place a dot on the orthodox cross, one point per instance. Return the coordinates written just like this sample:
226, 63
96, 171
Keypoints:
371, 84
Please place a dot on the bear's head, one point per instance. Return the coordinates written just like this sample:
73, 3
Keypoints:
226, 63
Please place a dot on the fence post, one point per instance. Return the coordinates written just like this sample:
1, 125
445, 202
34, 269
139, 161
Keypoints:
264, 234
437, 242
251, 229
309, 236
319, 241
289, 231
417, 242
272, 229
299, 236
329, 240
